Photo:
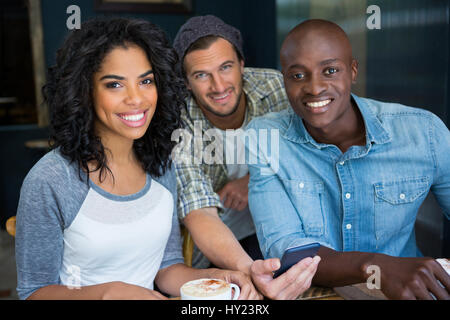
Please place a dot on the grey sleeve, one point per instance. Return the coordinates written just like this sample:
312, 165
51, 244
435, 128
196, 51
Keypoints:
173, 253
39, 234
50, 198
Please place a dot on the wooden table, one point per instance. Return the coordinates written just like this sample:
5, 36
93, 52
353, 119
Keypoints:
360, 292
353, 292
319, 293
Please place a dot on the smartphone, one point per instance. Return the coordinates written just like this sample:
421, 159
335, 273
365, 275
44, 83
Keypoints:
293, 255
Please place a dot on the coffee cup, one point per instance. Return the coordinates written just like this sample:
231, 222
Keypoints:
209, 289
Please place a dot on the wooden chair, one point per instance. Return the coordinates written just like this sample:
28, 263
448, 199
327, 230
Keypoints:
11, 229
188, 246
188, 243
11, 226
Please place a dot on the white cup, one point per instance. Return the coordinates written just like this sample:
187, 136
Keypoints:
209, 289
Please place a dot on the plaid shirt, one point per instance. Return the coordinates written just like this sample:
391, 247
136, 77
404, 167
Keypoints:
198, 183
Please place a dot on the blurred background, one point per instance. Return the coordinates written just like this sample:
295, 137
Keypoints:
406, 60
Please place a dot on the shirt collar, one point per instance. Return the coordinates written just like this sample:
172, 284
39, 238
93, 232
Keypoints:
375, 132
374, 128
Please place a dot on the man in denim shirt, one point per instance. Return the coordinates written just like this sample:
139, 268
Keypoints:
352, 174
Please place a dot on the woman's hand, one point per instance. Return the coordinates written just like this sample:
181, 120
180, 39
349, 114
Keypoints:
248, 291
124, 291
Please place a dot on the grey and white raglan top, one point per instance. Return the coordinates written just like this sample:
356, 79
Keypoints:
74, 233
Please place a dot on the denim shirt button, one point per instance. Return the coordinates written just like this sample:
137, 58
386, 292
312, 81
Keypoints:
348, 195
342, 163
402, 196
348, 226
301, 185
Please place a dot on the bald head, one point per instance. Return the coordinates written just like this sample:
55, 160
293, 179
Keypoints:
318, 71
316, 35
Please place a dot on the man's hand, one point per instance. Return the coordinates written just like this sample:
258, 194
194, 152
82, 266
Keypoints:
287, 286
412, 278
248, 291
234, 194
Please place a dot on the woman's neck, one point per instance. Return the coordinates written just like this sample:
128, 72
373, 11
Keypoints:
119, 158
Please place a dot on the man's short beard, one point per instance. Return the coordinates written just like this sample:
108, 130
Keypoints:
235, 108
218, 114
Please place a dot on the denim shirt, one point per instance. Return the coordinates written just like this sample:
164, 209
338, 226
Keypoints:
363, 200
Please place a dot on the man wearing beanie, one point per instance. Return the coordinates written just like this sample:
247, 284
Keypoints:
213, 198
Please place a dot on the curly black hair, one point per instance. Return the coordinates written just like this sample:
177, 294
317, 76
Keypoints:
68, 92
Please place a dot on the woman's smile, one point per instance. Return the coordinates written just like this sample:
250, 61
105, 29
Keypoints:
134, 119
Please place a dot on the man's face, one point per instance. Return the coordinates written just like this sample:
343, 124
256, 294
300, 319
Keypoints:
214, 76
318, 73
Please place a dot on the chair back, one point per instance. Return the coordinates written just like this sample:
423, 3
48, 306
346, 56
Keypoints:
188, 246
11, 226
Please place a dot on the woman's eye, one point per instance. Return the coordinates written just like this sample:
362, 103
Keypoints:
147, 81
113, 85
298, 76
331, 70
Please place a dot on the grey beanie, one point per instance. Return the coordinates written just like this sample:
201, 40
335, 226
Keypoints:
202, 26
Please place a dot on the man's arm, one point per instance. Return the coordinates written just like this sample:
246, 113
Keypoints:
216, 241
198, 207
339, 269
400, 278
440, 150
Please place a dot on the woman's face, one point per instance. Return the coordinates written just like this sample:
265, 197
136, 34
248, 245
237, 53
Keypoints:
124, 94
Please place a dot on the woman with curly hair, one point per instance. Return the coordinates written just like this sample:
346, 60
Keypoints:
97, 215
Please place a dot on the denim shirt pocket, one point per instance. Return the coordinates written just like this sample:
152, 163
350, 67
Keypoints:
307, 197
396, 205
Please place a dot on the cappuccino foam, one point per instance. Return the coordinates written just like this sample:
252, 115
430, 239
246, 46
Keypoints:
205, 287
